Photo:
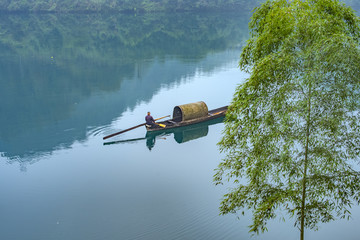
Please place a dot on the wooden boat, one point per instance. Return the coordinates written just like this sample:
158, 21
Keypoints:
181, 135
188, 114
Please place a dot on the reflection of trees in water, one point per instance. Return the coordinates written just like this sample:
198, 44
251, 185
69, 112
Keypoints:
54, 69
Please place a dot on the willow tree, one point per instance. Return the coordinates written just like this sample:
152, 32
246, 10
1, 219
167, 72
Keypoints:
292, 134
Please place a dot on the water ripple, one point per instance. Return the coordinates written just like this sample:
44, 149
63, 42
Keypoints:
102, 130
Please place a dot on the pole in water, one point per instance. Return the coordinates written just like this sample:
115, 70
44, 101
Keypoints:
143, 124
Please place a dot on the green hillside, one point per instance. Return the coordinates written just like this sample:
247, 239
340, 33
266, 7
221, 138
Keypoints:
122, 5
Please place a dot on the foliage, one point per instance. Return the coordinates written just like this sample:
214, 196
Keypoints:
107, 37
293, 128
122, 5
132, 5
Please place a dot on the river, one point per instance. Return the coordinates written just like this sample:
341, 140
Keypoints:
66, 81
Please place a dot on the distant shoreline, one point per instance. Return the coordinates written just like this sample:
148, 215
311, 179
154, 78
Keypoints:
115, 11
133, 7
125, 6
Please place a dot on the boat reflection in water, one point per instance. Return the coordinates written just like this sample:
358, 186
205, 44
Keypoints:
181, 135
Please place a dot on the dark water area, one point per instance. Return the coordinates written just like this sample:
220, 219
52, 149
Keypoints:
66, 81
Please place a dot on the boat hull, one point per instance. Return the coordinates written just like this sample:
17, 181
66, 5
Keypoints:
169, 124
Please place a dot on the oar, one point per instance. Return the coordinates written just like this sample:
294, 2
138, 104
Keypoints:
124, 141
143, 124
219, 112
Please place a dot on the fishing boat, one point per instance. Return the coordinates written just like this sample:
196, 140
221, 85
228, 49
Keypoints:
183, 115
181, 135
188, 114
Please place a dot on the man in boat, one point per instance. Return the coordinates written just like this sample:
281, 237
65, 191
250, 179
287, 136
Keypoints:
150, 120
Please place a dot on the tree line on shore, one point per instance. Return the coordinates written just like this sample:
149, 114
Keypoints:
123, 5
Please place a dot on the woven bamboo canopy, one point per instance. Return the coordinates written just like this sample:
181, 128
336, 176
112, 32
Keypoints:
190, 111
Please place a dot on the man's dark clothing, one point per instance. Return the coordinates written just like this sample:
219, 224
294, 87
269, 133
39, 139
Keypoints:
149, 120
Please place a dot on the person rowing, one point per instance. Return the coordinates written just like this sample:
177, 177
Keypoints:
150, 122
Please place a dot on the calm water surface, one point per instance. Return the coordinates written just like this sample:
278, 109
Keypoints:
67, 81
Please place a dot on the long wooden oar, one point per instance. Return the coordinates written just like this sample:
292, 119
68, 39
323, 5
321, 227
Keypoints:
124, 141
143, 124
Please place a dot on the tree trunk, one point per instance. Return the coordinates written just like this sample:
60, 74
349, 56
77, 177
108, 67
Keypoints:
302, 226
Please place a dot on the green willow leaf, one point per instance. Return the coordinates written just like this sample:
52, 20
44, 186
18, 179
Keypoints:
292, 132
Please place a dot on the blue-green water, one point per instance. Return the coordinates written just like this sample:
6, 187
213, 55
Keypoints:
67, 81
